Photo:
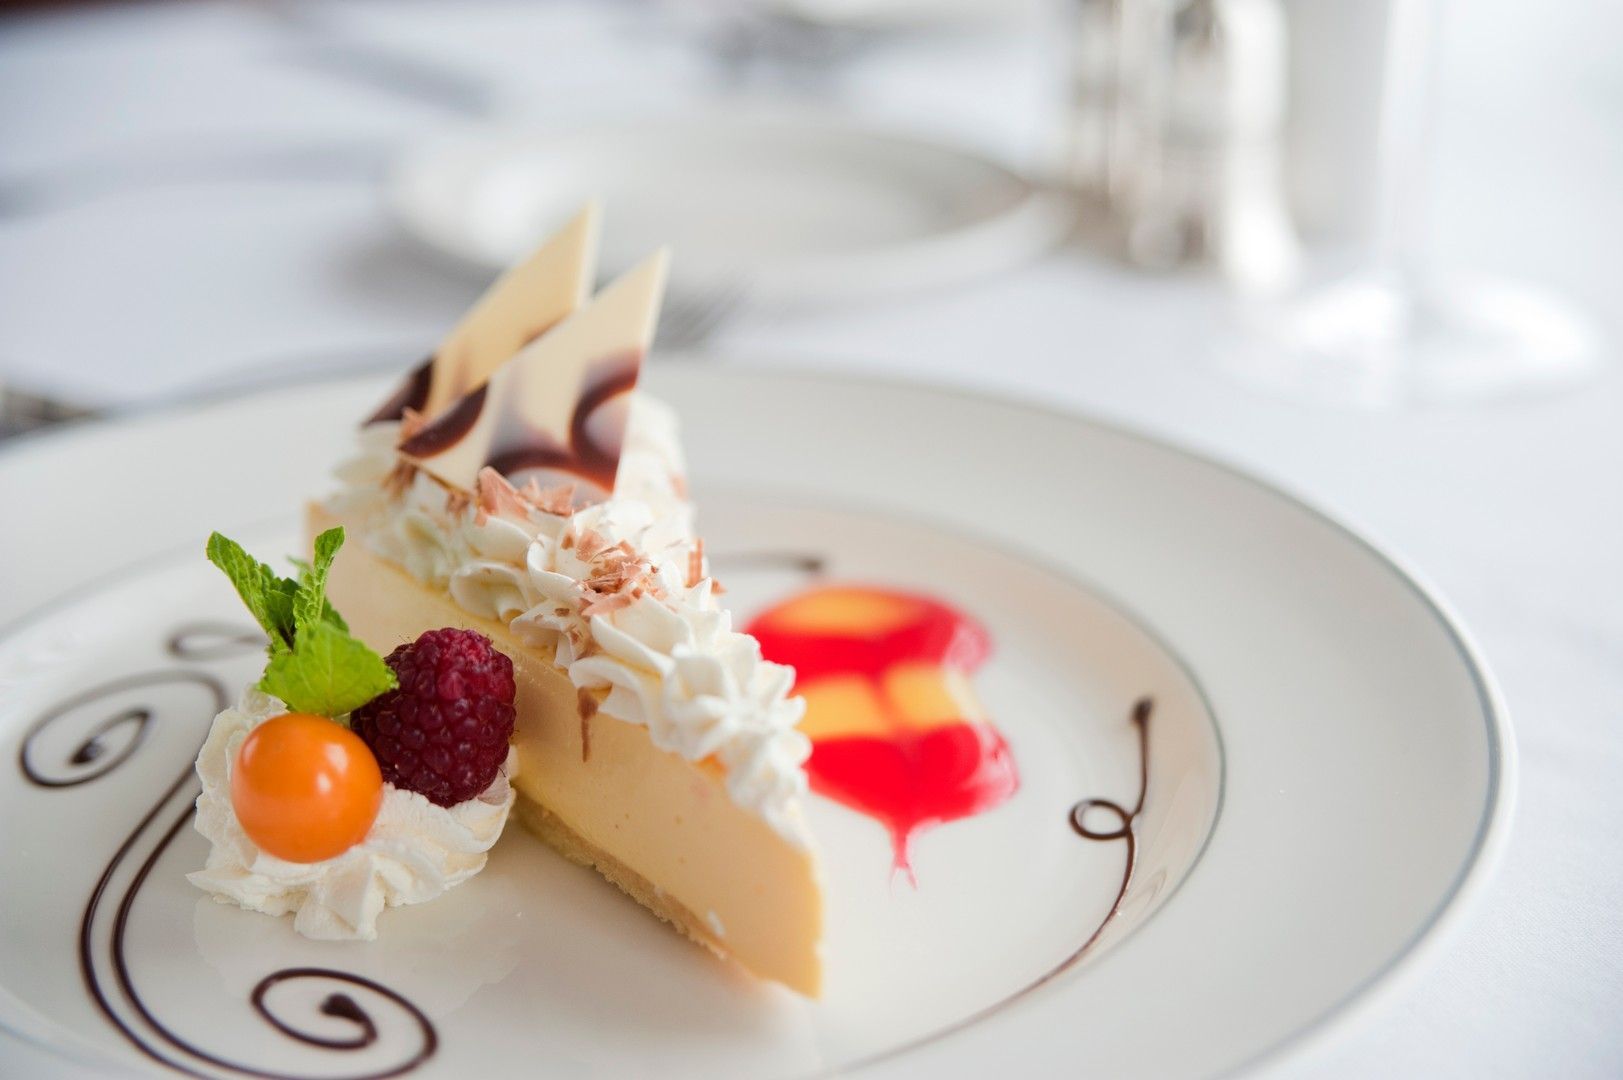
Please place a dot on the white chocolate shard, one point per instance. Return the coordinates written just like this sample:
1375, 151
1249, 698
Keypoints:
556, 412
524, 303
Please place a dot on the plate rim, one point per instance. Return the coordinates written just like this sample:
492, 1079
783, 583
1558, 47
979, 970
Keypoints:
1039, 221
1359, 1002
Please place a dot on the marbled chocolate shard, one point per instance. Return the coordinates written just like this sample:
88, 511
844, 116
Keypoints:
410, 397
556, 412
523, 304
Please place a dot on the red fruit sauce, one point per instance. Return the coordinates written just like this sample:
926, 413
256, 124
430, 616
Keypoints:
898, 756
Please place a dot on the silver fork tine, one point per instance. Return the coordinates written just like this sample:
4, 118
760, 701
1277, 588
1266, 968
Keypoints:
22, 411
690, 320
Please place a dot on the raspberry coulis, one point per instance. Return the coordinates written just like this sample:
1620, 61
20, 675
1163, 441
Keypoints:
907, 765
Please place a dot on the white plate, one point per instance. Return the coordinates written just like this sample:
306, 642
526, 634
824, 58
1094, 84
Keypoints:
907, 15
792, 208
1329, 771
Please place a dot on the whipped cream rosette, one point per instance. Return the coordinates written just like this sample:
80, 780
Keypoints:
331, 792
413, 852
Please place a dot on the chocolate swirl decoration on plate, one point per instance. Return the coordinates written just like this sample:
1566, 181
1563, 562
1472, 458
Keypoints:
344, 1007
1125, 820
194, 1060
796, 562
73, 743
100, 739
213, 641
1125, 830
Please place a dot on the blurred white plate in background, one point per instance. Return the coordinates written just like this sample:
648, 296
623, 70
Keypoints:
789, 210
905, 15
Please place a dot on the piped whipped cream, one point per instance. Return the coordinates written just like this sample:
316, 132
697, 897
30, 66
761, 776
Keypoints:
621, 590
414, 852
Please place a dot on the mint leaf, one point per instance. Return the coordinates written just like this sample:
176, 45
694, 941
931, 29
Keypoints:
267, 596
328, 612
316, 665
327, 673
279, 607
310, 603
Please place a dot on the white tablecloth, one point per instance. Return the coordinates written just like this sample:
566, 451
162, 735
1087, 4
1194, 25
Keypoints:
133, 278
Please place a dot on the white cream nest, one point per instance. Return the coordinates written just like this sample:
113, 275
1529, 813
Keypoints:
413, 853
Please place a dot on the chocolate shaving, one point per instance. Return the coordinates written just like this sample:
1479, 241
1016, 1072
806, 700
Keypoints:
696, 564
497, 496
558, 501
588, 709
591, 544
603, 605
399, 478
620, 574
411, 422
607, 580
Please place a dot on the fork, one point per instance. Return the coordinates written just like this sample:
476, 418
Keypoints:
22, 411
691, 318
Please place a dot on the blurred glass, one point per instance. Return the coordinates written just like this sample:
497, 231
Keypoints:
1175, 133
1396, 331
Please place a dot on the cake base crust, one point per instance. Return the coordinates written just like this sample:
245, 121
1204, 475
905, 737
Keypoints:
577, 849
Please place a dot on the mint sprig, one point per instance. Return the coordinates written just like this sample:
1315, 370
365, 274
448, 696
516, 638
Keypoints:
316, 665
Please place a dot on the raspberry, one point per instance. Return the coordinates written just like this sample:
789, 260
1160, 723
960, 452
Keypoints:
443, 732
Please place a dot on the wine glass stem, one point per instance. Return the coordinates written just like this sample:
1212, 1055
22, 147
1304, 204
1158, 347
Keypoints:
1407, 130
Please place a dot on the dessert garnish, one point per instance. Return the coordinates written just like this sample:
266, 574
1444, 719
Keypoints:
897, 731
302, 814
443, 732
316, 665
304, 788
556, 412
522, 305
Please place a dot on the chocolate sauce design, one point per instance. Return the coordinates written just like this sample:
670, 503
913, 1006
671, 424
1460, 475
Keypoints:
792, 561
213, 641
1125, 830
104, 741
98, 751
1125, 822
343, 1007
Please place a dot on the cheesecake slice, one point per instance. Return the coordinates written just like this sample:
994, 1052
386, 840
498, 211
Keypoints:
545, 506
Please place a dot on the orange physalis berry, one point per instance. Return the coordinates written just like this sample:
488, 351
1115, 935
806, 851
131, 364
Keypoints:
305, 788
